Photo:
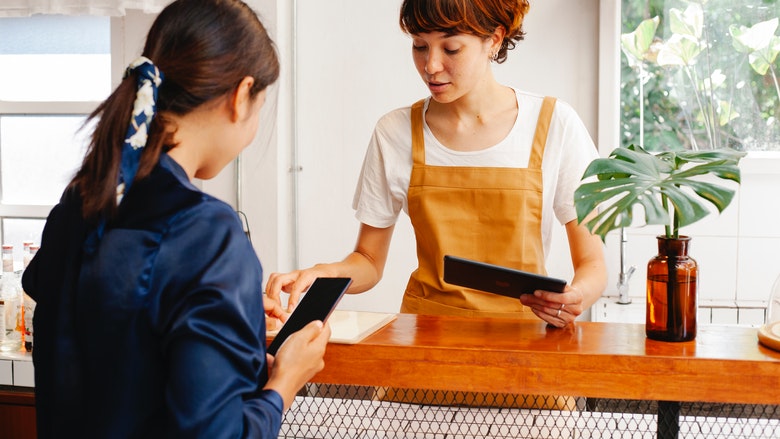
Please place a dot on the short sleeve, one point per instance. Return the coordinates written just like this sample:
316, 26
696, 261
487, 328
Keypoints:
381, 191
577, 151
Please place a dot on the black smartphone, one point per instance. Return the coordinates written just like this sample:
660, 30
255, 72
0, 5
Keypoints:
497, 279
316, 304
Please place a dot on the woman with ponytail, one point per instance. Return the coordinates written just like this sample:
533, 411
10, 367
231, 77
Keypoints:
150, 319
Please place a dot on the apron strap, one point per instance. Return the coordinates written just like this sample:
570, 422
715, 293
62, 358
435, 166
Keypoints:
540, 136
418, 143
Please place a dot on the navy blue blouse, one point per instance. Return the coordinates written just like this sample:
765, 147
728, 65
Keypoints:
157, 328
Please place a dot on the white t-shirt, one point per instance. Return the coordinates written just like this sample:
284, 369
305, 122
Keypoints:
384, 180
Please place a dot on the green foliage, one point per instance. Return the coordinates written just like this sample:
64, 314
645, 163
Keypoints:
759, 42
636, 44
700, 74
666, 185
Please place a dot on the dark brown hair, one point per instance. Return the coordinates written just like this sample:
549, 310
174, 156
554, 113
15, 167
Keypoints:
204, 48
475, 17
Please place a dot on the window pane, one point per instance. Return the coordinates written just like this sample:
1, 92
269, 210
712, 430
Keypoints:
17, 230
39, 156
55, 58
707, 77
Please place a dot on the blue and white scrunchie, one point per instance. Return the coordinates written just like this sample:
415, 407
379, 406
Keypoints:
144, 109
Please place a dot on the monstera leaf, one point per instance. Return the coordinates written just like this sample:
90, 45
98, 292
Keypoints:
667, 185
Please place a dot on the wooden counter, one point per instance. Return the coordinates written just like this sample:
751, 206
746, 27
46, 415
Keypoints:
598, 360
588, 359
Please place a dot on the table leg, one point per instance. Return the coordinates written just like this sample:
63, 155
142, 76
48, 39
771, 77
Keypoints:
668, 419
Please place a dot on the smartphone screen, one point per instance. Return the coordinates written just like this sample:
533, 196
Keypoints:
317, 304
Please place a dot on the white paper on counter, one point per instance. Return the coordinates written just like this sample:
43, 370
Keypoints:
350, 327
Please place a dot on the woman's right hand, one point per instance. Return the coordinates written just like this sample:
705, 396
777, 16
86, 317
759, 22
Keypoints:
298, 359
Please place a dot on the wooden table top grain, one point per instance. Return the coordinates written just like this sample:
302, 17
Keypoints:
590, 359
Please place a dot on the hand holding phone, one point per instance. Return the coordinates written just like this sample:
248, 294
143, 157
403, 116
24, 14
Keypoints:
317, 304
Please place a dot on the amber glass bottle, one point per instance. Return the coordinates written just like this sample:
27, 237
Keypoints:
672, 292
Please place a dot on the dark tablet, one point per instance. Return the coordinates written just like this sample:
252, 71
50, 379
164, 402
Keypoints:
317, 304
497, 279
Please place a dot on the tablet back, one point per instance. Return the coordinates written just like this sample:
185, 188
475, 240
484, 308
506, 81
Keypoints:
497, 279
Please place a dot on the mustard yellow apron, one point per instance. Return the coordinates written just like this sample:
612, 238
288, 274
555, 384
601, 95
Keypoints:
488, 214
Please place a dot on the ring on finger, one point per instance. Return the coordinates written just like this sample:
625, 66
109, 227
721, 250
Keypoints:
558, 314
563, 305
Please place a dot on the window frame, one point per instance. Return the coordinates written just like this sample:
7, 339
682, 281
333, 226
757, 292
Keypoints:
29, 211
609, 76
77, 108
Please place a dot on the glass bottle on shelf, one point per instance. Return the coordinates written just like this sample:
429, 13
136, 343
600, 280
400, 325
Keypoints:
28, 304
10, 292
26, 255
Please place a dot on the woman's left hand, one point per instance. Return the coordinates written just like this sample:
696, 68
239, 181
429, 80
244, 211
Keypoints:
557, 309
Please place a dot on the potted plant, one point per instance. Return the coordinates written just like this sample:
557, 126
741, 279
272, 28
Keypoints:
673, 188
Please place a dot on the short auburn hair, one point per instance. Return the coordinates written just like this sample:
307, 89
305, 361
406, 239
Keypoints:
476, 17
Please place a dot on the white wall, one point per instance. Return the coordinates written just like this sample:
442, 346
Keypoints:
346, 65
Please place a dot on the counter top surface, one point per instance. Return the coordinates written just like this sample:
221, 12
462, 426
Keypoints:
586, 338
609, 360
16, 356
602, 360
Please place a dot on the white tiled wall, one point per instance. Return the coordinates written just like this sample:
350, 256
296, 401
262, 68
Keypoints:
744, 314
6, 372
16, 369
738, 252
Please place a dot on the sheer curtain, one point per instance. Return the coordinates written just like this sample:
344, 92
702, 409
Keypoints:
25, 8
